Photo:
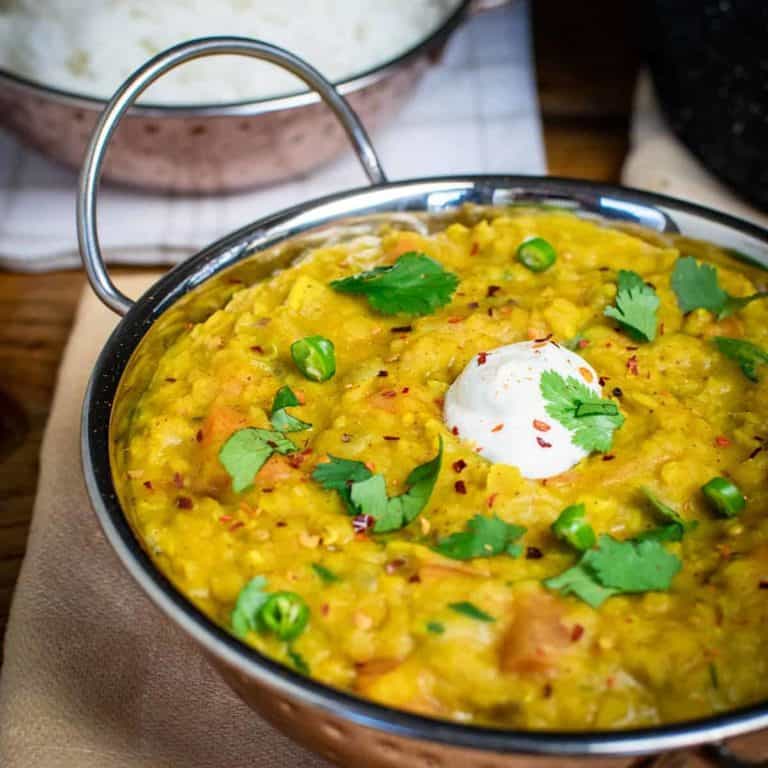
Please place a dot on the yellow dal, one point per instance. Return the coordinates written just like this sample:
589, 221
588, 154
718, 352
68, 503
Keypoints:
546, 661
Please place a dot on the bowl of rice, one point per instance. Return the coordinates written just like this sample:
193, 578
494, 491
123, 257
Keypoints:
217, 125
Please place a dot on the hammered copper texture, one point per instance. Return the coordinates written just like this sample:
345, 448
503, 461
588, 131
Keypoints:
207, 153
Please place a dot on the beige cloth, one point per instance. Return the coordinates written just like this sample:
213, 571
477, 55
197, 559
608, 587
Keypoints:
94, 676
660, 162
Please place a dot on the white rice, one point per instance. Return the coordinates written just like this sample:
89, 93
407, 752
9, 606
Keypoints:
90, 46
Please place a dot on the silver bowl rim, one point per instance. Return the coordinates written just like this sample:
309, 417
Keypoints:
223, 646
248, 107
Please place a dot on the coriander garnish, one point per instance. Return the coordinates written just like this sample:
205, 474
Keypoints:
636, 305
280, 418
748, 355
484, 537
246, 451
465, 608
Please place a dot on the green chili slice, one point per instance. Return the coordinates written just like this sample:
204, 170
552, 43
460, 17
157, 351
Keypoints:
572, 527
536, 254
314, 356
285, 613
724, 496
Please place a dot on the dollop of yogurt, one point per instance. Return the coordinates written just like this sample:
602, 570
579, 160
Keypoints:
496, 403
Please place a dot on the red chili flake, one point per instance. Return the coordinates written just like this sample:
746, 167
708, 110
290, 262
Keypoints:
762, 584
542, 442
492, 291
583, 343
393, 565
489, 311
541, 341
721, 441
237, 524
388, 393
481, 358
608, 457
184, 502
473, 305
474, 249
610, 681
267, 490
533, 553
542, 426
631, 349
295, 460
455, 431
391, 437
755, 452
370, 466
178, 480
361, 523
632, 365
439, 402
148, 484
576, 633
280, 524
661, 329
199, 436
401, 329
460, 487
459, 465
456, 319
601, 381
345, 438
383, 374
498, 428
405, 390
324, 608
546, 691
225, 519
171, 380
257, 348
491, 500
415, 579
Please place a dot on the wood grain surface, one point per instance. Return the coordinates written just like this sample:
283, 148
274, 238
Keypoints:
586, 67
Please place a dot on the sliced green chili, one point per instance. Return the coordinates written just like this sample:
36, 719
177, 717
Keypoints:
572, 527
536, 254
724, 496
314, 356
286, 614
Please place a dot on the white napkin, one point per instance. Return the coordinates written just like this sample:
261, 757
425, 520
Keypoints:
474, 112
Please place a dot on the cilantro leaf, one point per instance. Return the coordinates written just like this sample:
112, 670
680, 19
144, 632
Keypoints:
630, 566
696, 287
590, 418
620, 567
280, 418
669, 532
663, 509
484, 537
244, 618
748, 355
471, 610
580, 582
414, 284
246, 451
370, 496
339, 475
636, 305
435, 627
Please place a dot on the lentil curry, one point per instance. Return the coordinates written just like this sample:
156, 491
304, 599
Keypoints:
289, 469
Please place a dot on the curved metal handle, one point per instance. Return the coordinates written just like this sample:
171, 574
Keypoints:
87, 234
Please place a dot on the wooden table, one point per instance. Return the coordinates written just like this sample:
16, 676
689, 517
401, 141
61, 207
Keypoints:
586, 68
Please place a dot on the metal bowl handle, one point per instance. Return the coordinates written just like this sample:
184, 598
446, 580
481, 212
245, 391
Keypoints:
137, 83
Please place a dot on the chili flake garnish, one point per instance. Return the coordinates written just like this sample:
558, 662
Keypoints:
492, 291
542, 442
498, 428
721, 441
389, 393
632, 365
491, 500
401, 329
455, 431
755, 452
475, 248
225, 519
383, 374
608, 457
586, 374
391, 437
576, 632
178, 480
184, 502
542, 426
482, 357
361, 523
543, 339
237, 524
601, 381
762, 584
405, 390
199, 436
459, 465
533, 553
460, 487
148, 484
257, 348
456, 319
583, 343
171, 380
473, 305
393, 565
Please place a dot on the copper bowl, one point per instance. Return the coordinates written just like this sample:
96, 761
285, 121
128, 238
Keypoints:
338, 725
222, 147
